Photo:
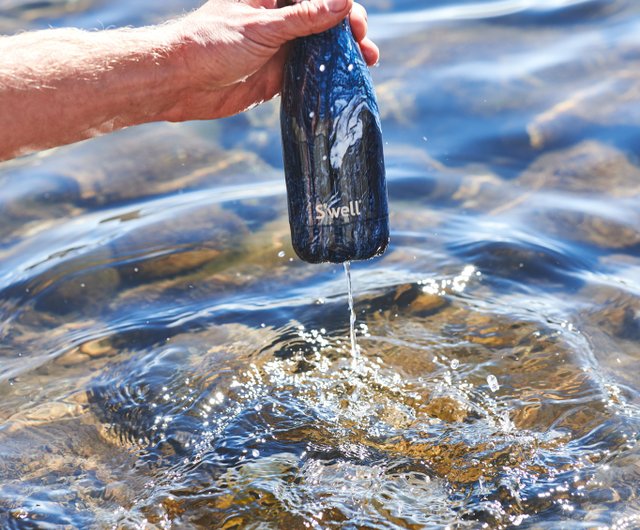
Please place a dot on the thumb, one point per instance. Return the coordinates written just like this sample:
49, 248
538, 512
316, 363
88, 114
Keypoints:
306, 18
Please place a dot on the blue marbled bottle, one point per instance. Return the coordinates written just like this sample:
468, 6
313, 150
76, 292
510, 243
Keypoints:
332, 146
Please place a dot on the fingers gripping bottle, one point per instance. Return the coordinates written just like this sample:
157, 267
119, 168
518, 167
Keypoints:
332, 147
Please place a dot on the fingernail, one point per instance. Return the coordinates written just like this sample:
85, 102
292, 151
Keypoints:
337, 5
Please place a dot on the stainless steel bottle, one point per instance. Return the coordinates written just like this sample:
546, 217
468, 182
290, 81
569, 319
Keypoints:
332, 146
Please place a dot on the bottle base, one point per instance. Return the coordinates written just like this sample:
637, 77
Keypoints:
331, 246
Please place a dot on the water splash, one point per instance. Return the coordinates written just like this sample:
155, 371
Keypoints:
310, 438
492, 381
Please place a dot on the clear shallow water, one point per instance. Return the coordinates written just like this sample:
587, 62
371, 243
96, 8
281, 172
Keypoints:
166, 362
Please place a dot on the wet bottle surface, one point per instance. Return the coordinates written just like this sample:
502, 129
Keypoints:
332, 147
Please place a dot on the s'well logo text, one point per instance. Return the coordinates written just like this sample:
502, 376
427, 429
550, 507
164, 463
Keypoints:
325, 211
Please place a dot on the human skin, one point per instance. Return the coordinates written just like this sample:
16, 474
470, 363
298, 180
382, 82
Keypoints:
58, 86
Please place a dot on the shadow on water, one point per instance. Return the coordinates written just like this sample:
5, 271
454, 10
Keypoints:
166, 361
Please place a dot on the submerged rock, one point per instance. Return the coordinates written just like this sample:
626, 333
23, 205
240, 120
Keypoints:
611, 229
590, 167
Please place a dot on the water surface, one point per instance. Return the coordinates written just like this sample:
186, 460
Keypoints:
167, 362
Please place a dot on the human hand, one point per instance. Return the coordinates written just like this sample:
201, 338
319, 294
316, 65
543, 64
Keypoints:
232, 52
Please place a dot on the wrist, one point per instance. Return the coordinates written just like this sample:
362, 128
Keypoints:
169, 81
190, 58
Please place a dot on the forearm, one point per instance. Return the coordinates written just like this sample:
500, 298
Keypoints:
60, 86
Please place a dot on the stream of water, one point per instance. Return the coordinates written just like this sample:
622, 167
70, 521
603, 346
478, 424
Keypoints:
352, 313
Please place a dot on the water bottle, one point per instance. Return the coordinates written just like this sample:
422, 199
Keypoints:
332, 148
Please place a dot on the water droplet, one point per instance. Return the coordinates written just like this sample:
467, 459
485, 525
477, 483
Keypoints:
492, 381
350, 68
255, 453
281, 254
312, 114
454, 364
322, 67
